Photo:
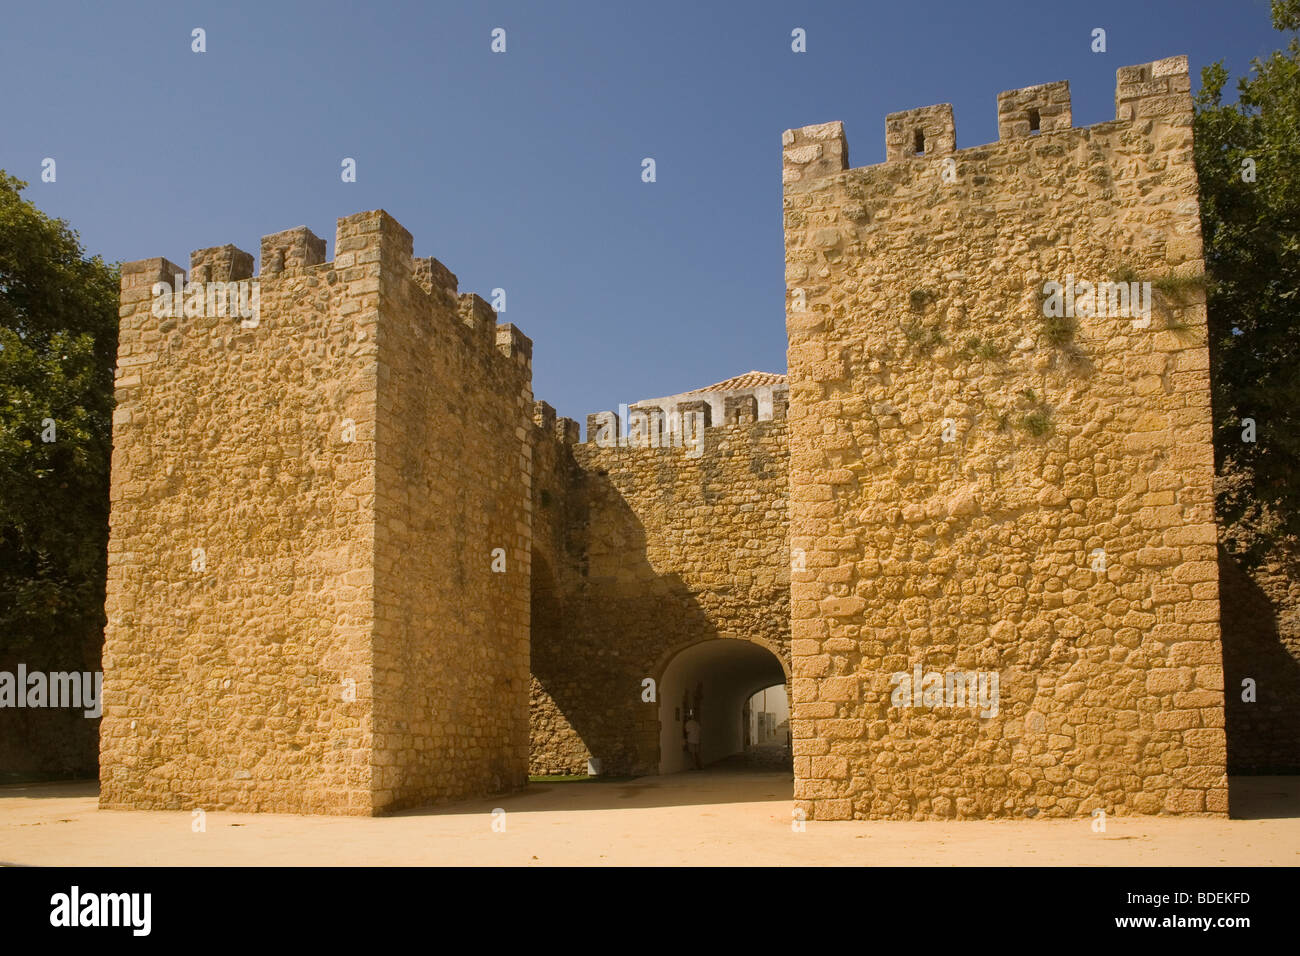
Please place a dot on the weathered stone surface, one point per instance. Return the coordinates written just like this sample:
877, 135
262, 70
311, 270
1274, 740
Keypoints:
638, 553
302, 611
981, 460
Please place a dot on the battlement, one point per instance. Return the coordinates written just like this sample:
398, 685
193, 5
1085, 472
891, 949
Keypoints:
659, 422
1160, 90
1034, 109
513, 344
434, 277
650, 426
477, 316
222, 264
1151, 90
140, 276
292, 249
924, 131
563, 430
373, 254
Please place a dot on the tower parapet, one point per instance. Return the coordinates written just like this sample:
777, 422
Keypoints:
479, 316
814, 151
568, 431
435, 278
1159, 90
220, 264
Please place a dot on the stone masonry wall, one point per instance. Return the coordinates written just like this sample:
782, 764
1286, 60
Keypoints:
663, 550
453, 471
239, 561
556, 746
960, 462
262, 475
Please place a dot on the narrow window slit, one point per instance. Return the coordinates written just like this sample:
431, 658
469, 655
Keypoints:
1033, 121
918, 143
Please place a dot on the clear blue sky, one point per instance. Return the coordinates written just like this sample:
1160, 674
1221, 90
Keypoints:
522, 170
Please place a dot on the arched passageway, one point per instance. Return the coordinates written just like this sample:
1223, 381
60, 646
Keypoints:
714, 679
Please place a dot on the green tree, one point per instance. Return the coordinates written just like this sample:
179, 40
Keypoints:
58, 346
1248, 162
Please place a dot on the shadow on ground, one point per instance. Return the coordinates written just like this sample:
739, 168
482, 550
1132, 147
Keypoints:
45, 789
728, 781
1264, 798
733, 780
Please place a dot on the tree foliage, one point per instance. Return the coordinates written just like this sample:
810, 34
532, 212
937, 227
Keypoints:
58, 346
1252, 253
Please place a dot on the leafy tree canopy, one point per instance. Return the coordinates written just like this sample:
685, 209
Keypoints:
58, 345
1248, 162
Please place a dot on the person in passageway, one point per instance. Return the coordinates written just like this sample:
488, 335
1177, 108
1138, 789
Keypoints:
693, 740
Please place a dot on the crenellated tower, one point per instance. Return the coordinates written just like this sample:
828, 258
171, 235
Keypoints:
1001, 464
318, 592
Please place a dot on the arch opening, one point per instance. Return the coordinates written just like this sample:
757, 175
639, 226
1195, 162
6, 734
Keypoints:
767, 728
714, 680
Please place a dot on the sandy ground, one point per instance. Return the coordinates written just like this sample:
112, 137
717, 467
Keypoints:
718, 817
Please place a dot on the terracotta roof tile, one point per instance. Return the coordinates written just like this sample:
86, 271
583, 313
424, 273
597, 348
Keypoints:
748, 380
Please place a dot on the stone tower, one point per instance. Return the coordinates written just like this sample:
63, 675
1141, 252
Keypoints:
318, 586
995, 482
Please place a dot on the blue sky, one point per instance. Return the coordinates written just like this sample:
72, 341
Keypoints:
522, 170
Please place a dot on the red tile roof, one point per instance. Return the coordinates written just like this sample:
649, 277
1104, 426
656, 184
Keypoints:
748, 380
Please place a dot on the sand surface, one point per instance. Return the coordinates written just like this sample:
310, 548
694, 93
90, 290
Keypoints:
717, 817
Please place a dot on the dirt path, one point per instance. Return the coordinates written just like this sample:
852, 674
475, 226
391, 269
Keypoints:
711, 818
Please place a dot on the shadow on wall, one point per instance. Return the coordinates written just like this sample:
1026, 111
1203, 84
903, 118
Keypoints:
605, 620
1264, 736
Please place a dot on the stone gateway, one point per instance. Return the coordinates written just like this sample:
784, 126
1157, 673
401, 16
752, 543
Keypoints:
355, 567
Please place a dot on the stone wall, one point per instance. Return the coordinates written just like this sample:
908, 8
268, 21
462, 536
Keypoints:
556, 745
960, 462
262, 474
660, 551
452, 534
239, 577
